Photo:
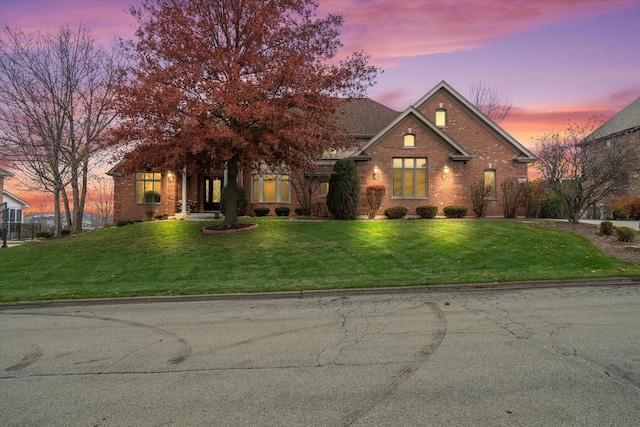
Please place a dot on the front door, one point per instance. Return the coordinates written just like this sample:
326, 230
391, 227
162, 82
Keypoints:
212, 192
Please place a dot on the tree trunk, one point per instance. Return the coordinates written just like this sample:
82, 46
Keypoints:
231, 212
67, 209
56, 212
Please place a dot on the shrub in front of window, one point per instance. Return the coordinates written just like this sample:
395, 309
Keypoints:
606, 228
478, 200
454, 211
262, 211
282, 211
302, 211
343, 199
396, 212
625, 234
428, 211
241, 202
374, 195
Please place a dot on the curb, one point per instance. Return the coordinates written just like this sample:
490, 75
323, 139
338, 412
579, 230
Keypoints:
503, 286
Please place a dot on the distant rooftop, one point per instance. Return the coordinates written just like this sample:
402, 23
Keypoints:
626, 120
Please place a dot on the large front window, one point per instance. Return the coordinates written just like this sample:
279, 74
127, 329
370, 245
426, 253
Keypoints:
148, 187
270, 188
410, 178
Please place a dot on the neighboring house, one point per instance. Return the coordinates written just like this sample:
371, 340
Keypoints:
623, 128
15, 208
430, 154
3, 174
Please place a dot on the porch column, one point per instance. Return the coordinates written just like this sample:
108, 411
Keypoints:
183, 213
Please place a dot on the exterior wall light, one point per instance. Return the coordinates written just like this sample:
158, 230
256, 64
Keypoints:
376, 172
170, 176
445, 172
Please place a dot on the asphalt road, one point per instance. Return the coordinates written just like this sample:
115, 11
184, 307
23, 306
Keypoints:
557, 356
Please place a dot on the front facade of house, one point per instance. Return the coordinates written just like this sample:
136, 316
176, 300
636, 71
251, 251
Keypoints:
623, 128
429, 154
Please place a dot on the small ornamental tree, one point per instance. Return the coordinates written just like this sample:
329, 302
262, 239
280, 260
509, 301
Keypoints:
343, 200
374, 195
628, 206
535, 194
478, 199
512, 193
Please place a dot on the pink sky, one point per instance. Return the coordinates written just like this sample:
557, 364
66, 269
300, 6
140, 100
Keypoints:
555, 60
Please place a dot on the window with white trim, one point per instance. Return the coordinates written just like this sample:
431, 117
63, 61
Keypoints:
270, 188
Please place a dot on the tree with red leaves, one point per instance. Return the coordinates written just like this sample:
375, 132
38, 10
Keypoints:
234, 84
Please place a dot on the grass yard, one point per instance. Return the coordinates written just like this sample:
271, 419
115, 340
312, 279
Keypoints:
174, 258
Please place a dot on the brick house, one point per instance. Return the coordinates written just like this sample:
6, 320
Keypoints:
429, 154
623, 128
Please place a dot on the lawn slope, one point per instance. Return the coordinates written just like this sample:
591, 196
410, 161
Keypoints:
173, 257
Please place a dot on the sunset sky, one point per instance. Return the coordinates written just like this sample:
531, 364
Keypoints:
554, 60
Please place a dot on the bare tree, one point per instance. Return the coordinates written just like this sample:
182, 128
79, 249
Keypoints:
488, 100
583, 173
55, 93
101, 200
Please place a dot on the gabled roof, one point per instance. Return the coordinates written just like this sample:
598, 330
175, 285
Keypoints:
627, 120
523, 154
364, 117
459, 152
17, 200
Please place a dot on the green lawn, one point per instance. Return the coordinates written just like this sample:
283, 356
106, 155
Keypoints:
173, 257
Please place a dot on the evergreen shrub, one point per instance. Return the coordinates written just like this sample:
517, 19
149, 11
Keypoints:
302, 211
606, 228
625, 234
427, 211
396, 212
453, 211
343, 199
282, 211
262, 211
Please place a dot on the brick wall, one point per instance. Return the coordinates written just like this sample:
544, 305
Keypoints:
489, 151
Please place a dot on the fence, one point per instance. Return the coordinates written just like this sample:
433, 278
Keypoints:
19, 231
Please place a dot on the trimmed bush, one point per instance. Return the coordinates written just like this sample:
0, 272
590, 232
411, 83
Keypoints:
396, 212
65, 232
625, 234
123, 222
343, 199
282, 211
262, 211
454, 211
606, 228
427, 211
44, 234
374, 195
302, 211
